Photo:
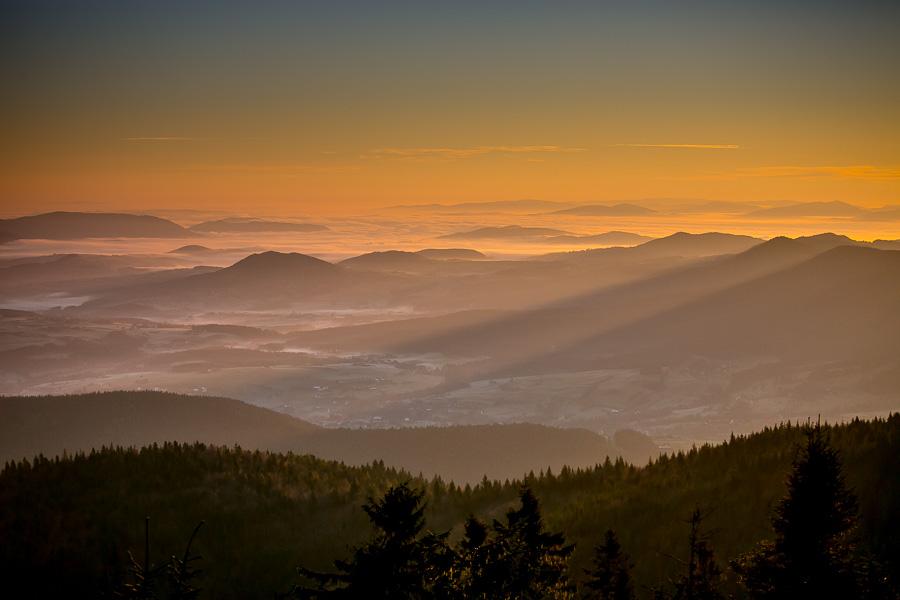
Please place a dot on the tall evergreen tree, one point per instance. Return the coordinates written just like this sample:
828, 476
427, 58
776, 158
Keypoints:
182, 574
473, 556
814, 553
610, 576
526, 561
703, 576
401, 560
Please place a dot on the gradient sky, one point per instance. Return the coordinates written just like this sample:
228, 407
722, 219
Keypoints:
312, 107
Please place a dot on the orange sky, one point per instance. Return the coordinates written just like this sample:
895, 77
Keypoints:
312, 111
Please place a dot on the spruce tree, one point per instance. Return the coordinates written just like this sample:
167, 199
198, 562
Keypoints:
814, 552
526, 561
401, 560
610, 576
473, 555
703, 576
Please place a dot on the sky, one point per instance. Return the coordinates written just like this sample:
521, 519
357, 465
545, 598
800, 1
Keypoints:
298, 108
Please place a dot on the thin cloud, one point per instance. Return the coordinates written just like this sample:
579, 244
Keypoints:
276, 169
460, 153
684, 146
160, 139
858, 172
842, 171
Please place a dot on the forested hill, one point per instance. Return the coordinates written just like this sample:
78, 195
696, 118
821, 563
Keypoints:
49, 425
67, 523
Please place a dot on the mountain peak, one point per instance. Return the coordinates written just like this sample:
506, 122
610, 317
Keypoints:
276, 262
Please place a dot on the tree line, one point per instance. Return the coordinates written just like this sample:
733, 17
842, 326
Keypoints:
70, 522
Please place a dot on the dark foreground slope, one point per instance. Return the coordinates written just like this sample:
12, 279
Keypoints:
50, 425
66, 524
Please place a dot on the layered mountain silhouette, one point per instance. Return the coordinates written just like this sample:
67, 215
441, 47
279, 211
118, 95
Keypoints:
266, 279
834, 209
389, 260
601, 210
485, 207
681, 244
840, 305
78, 225
431, 261
506, 232
610, 238
546, 235
452, 254
192, 249
80, 273
53, 424
241, 225
801, 296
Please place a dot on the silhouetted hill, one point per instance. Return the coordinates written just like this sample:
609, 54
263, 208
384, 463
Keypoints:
422, 262
681, 244
278, 264
452, 254
771, 292
887, 244
239, 225
610, 238
696, 244
191, 249
484, 207
82, 273
810, 209
76, 225
467, 453
51, 424
601, 210
507, 232
387, 260
839, 305
263, 279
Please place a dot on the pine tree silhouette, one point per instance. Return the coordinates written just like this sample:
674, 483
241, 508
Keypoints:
473, 556
526, 560
401, 560
182, 574
174, 579
701, 582
610, 576
814, 554
144, 576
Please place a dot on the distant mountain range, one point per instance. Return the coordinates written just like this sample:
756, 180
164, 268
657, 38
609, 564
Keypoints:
451, 254
818, 296
610, 238
422, 261
82, 225
546, 235
516, 206
827, 209
242, 225
78, 225
839, 305
602, 210
88, 273
50, 425
681, 244
506, 232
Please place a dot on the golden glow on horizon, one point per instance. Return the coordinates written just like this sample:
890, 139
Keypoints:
685, 146
317, 111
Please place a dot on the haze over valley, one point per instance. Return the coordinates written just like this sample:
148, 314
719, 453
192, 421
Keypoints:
450, 300
684, 337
